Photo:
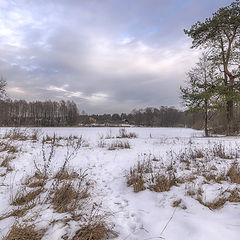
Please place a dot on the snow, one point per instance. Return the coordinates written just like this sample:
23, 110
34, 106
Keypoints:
136, 216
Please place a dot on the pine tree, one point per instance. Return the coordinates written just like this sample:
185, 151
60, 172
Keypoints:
221, 35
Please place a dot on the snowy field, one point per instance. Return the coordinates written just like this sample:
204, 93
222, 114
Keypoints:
143, 183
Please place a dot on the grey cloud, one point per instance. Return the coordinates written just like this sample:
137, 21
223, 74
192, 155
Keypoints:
106, 55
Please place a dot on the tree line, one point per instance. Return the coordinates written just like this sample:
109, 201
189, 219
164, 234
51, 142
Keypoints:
65, 113
38, 113
148, 117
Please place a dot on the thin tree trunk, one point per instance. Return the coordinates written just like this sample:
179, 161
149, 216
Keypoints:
206, 119
230, 121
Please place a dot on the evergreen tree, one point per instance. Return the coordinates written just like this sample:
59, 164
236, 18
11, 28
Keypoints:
221, 35
200, 93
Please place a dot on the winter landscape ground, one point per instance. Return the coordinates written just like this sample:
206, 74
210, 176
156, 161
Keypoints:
114, 183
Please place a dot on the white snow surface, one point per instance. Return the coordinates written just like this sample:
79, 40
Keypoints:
136, 216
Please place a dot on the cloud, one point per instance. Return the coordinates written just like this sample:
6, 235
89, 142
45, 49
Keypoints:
107, 56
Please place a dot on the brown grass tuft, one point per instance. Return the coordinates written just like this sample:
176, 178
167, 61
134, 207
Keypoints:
162, 183
219, 150
234, 196
66, 174
19, 212
144, 175
24, 232
65, 197
119, 145
234, 173
7, 147
136, 180
95, 231
124, 134
23, 197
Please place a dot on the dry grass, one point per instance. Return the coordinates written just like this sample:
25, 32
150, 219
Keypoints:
161, 183
66, 197
234, 173
220, 151
119, 145
18, 134
124, 134
23, 197
6, 162
19, 212
215, 177
226, 196
66, 174
8, 147
97, 231
24, 232
101, 143
145, 175
136, 180
179, 203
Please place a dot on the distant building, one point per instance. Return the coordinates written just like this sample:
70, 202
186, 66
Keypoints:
92, 120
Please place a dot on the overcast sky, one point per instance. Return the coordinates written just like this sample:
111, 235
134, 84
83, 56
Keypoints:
106, 55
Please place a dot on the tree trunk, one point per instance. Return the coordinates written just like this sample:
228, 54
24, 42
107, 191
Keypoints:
206, 119
230, 120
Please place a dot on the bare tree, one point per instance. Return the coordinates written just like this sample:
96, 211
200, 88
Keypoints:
3, 85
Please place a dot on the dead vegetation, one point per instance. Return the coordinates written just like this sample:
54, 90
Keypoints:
64, 191
24, 232
96, 231
119, 145
19, 134
67, 197
147, 175
24, 197
124, 134
191, 167
8, 147
234, 173
6, 162
226, 196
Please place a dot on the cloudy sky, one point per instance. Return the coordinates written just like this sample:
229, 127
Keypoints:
106, 55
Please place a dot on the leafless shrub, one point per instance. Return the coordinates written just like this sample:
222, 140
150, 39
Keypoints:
47, 159
119, 145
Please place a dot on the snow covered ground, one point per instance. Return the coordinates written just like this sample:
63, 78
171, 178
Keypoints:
201, 180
